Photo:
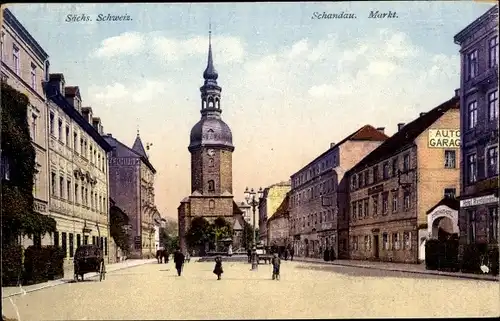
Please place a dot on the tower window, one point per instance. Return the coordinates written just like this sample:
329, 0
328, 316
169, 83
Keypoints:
211, 162
211, 204
211, 186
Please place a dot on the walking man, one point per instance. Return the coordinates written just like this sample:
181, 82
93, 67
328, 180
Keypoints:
179, 261
291, 254
276, 261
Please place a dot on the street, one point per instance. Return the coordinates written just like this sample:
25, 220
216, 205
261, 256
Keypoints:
306, 290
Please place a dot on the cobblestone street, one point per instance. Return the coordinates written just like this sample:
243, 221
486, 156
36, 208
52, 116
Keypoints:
306, 290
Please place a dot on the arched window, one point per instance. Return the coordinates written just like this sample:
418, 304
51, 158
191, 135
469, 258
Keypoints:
211, 204
211, 186
210, 102
210, 134
211, 162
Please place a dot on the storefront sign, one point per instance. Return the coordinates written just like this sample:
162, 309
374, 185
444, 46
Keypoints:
39, 207
124, 161
376, 189
488, 199
444, 138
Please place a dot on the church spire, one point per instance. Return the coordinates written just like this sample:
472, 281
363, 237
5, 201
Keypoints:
210, 73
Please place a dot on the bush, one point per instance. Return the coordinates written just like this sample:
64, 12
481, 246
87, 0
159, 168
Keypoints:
55, 265
12, 264
471, 260
35, 265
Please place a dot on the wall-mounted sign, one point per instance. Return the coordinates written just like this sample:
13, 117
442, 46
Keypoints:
488, 199
39, 207
124, 161
444, 138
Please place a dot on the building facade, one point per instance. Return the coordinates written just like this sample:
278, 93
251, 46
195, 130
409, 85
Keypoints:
318, 198
211, 148
392, 188
271, 199
79, 187
278, 228
247, 212
131, 185
479, 130
25, 66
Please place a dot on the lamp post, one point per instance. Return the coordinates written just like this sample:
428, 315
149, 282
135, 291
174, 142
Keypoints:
253, 202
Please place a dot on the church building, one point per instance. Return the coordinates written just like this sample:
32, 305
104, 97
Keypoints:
211, 148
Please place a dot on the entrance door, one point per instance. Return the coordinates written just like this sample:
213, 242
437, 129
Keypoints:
375, 246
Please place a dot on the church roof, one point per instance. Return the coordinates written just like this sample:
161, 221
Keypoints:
138, 147
236, 209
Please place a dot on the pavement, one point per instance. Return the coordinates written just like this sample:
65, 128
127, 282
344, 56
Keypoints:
305, 290
399, 267
68, 277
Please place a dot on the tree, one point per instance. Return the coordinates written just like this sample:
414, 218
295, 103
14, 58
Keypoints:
18, 159
199, 232
247, 235
220, 229
118, 222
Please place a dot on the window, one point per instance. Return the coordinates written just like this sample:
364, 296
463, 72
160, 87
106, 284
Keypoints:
60, 129
450, 192
385, 241
56, 238
51, 123
375, 174
211, 162
354, 211
78, 240
366, 178
16, 60
353, 182
91, 154
492, 161
395, 241
360, 209
64, 244
82, 147
385, 203
367, 242
471, 226
472, 115
361, 180
472, 65
68, 189
75, 141
385, 170
494, 51
493, 224
406, 162
67, 136
5, 167
33, 76
2, 41
93, 240
450, 159
83, 198
76, 200
211, 186
365, 208
71, 244
406, 200
394, 167
471, 168
33, 126
375, 204
61, 186
53, 183
493, 105
407, 240
85, 239
395, 197
105, 246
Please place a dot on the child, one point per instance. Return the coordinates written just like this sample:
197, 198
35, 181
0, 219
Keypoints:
218, 267
276, 267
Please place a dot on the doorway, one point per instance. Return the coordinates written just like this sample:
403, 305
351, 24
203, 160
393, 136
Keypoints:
375, 247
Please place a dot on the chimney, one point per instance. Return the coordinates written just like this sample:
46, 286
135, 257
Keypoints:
457, 92
400, 126
332, 144
421, 114
381, 129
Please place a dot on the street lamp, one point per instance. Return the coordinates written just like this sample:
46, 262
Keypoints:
253, 202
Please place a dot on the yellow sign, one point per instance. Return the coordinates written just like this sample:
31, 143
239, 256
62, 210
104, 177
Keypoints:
444, 138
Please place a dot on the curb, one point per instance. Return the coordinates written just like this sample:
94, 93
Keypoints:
430, 272
60, 282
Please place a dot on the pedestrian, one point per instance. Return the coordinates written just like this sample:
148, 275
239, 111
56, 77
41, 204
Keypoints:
188, 257
291, 254
230, 250
332, 254
276, 267
287, 254
159, 255
166, 255
218, 267
326, 255
179, 261
249, 254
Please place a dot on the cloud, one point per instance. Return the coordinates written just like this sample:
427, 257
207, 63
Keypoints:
125, 44
119, 93
226, 49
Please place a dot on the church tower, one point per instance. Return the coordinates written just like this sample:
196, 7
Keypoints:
211, 141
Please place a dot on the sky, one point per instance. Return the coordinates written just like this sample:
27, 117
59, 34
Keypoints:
291, 84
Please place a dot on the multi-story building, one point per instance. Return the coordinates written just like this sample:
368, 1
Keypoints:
318, 199
131, 185
24, 66
393, 188
271, 199
278, 226
79, 195
247, 212
479, 130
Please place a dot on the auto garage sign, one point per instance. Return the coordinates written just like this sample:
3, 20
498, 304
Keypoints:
444, 138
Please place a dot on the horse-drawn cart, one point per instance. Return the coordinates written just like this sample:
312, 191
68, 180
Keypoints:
89, 258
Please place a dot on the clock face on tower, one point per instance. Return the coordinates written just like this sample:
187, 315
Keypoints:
211, 152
